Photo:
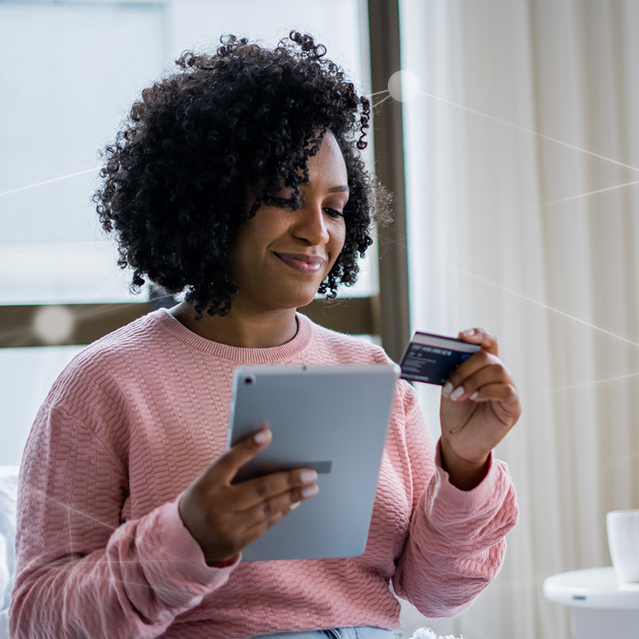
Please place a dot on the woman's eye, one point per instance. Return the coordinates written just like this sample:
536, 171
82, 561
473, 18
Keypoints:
282, 202
290, 203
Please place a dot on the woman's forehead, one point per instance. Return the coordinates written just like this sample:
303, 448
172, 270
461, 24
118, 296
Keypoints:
328, 166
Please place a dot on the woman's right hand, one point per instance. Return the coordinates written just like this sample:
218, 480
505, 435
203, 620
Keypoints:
224, 518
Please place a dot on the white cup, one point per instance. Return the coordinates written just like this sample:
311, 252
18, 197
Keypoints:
623, 542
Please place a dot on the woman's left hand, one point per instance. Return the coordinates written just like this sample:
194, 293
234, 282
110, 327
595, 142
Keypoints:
480, 404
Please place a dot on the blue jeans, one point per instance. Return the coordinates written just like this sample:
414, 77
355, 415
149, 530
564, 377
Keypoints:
359, 632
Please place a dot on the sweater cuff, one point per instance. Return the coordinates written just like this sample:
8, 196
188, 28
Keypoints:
185, 561
469, 500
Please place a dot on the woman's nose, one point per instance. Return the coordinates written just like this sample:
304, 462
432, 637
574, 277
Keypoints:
311, 226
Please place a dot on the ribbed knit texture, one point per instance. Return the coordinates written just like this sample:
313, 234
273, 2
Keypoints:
134, 418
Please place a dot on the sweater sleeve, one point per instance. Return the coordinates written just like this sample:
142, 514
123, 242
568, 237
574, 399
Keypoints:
456, 543
80, 571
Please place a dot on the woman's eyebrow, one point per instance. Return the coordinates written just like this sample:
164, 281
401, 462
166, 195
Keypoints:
336, 189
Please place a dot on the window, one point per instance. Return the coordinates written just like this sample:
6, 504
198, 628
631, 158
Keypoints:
72, 69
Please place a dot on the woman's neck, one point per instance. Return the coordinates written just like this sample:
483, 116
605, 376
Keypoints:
241, 329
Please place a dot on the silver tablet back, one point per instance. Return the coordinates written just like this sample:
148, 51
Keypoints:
330, 418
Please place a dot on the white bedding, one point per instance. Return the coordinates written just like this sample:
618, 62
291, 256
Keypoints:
427, 633
8, 492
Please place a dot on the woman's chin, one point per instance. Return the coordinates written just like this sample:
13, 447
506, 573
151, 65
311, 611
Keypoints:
301, 301
297, 296
279, 303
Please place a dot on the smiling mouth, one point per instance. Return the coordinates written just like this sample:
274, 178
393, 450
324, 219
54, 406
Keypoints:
310, 264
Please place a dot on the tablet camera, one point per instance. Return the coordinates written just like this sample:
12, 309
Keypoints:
249, 379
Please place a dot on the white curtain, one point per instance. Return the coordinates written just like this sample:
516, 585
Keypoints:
520, 147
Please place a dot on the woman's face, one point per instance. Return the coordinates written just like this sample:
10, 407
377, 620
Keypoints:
282, 255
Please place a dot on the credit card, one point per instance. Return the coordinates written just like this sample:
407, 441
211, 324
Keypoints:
432, 358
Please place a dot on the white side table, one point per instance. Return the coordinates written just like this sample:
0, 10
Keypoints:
601, 607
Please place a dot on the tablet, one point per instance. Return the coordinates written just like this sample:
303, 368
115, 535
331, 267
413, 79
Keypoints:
331, 418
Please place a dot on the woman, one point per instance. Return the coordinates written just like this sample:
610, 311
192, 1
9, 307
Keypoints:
238, 181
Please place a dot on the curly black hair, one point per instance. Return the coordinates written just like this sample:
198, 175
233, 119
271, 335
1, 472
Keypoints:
238, 124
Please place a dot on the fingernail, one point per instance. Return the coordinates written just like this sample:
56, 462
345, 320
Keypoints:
309, 491
457, 393
295, 505
308, 475
474, 395
262, 436
469, 331
447, 388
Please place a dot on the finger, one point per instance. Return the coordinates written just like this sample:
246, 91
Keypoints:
493, 374
259, 528
225, 467
255, 521
505, 393
486, 339
255, 491
469, 367
271, 510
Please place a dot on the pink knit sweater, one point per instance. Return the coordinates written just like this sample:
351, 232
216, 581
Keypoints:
102, 551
